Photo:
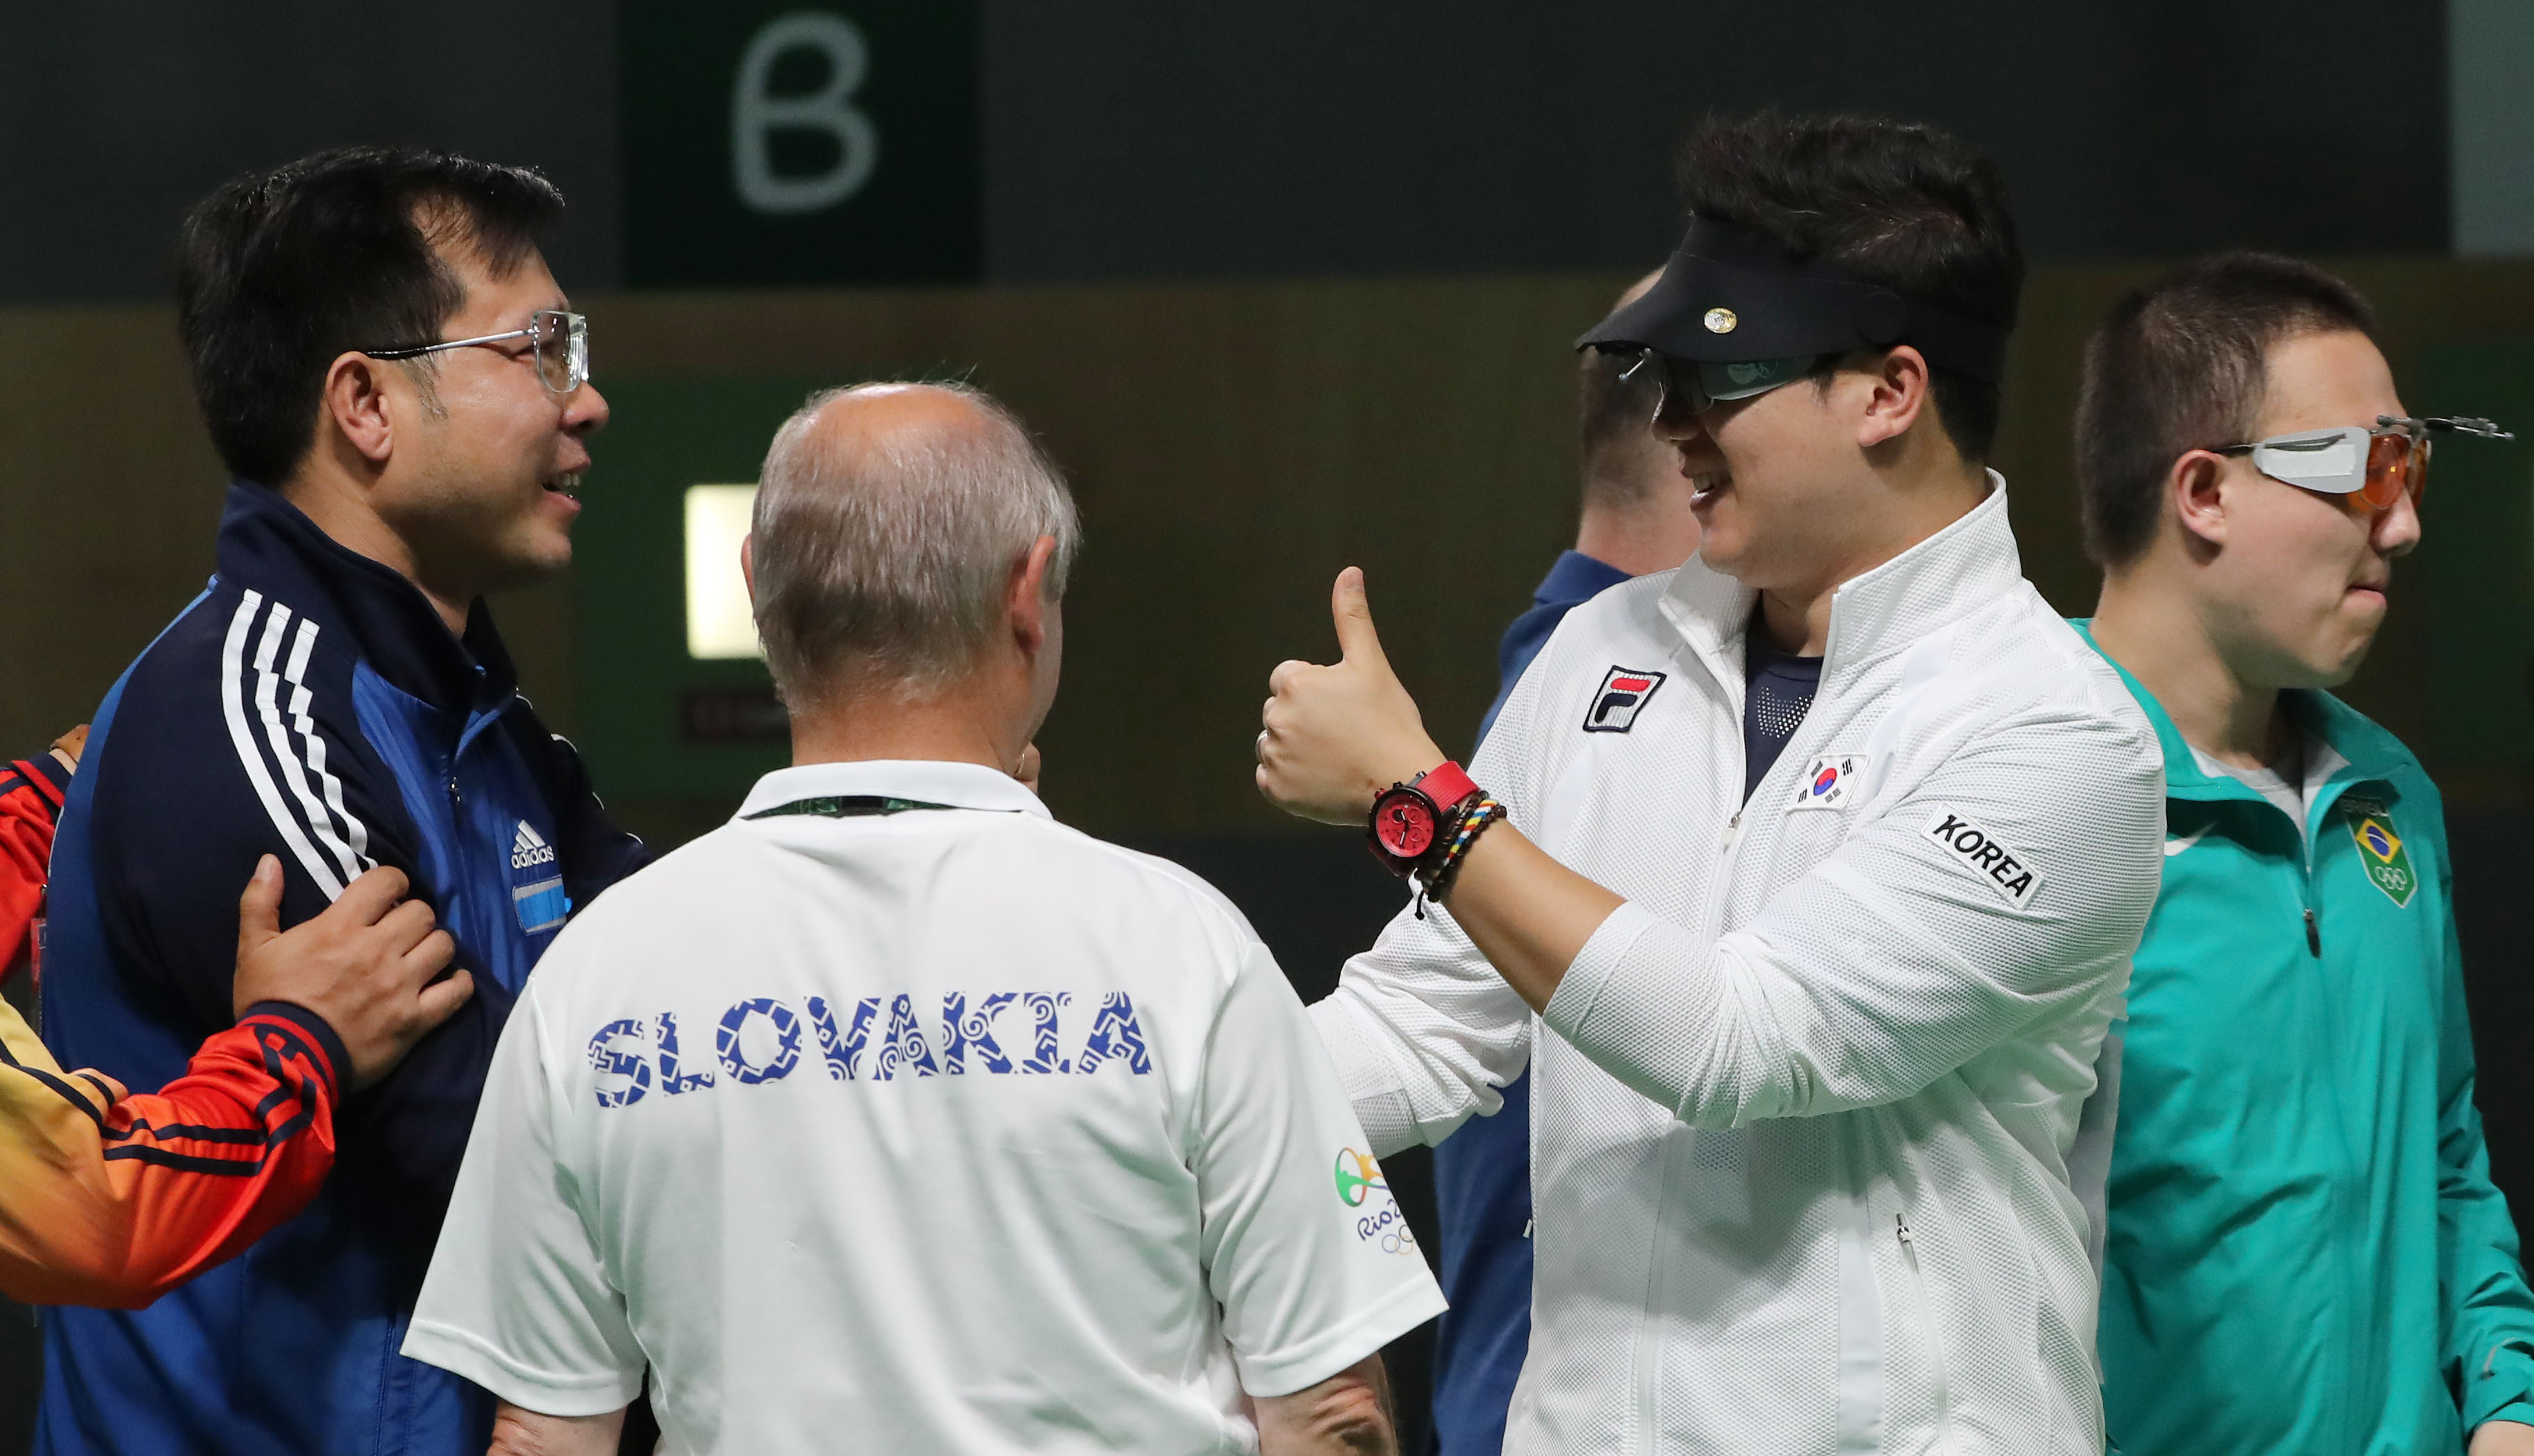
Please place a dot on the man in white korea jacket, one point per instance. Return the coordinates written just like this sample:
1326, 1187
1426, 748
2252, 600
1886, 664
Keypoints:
1805, 878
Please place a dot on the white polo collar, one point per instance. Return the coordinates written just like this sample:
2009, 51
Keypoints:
923, 781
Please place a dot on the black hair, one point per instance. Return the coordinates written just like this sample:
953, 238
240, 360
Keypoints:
1898, 204
280, 273
2180, 365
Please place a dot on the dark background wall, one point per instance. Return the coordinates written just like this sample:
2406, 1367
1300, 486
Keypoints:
1154, 140
1277, 285
114, 118
1134, 138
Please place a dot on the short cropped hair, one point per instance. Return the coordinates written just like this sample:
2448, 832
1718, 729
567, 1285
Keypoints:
888, 566
2180, 365
1900, 204
278, 272
1616, 414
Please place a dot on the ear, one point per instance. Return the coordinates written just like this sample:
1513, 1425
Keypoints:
2197, 487
747, 565
1027, 600
1900, 389
356, 399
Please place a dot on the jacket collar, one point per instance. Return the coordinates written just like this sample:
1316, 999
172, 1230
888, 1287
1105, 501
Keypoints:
267, 544
1576, 577
921, 780
2371, 752
1969, 563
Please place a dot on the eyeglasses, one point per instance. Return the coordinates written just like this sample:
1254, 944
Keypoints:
559, 341
2376, 465
1702, 386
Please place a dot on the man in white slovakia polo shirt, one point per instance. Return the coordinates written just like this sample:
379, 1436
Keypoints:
893, 1116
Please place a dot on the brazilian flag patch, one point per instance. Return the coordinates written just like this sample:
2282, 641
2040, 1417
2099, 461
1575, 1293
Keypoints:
2380, 851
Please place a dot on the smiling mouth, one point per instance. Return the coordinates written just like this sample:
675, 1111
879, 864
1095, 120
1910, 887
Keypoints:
1705, 487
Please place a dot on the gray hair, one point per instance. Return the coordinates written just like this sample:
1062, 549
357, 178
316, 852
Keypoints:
888, 563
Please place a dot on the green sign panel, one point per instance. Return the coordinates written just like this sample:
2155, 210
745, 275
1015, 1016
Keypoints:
656, 720
799, 144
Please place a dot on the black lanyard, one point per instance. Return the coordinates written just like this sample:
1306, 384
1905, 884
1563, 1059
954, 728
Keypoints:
850, 805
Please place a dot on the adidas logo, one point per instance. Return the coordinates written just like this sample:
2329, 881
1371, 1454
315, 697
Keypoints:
526, 849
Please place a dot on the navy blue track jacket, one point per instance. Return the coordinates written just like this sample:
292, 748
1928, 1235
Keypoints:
309, 703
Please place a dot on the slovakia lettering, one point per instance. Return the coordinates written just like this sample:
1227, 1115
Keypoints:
1979, 851
876, 1039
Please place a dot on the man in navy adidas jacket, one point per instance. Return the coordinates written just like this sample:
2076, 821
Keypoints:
394, 378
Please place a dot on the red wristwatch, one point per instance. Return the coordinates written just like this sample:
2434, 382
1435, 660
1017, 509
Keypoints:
1411, 821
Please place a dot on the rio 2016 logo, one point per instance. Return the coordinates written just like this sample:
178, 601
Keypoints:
1358, 1179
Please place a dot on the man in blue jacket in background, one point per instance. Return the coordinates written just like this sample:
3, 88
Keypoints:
401, 389
1636, 519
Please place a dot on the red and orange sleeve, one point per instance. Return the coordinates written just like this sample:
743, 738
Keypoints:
107, 1199
30, 800
113, 1199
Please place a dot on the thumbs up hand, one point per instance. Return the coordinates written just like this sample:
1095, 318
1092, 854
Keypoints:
1335, 735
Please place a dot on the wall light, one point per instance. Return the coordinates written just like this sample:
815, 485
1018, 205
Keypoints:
718, 620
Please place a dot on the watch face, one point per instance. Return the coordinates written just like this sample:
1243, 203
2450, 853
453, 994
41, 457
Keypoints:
1404, 822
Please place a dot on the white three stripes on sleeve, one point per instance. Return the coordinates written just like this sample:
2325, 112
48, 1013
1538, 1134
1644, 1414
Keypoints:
346, 851
354, 830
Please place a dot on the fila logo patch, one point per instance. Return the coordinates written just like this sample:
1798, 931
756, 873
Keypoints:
1623, 694
1828, 781
1979, 851
527, 848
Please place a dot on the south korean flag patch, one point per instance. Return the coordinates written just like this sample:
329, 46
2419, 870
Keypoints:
1623, 695
1828, 782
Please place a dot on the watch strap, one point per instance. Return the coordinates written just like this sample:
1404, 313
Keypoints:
1447, 784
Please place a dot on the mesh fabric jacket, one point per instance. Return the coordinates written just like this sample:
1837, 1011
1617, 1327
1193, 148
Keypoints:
1803, 1107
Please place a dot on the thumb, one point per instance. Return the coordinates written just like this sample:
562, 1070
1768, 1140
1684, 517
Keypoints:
1357, 640
259, 908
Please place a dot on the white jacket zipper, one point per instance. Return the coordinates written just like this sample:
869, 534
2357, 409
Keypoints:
1649, 1352
1941, 1386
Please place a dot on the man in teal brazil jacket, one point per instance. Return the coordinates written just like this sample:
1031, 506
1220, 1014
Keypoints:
2304, 1251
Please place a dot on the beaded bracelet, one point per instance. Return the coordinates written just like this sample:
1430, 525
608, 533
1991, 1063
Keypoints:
1473, 822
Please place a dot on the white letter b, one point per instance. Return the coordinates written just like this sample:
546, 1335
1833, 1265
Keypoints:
755, 113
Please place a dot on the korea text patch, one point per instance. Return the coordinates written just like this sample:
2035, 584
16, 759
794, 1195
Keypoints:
1979, 851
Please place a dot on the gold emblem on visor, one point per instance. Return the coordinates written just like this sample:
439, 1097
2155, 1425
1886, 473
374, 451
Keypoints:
1722, 321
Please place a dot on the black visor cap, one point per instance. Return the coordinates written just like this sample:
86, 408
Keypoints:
1730, 296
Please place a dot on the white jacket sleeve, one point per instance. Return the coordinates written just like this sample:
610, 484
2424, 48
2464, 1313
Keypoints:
2000, 891
1424, 1032
1422, 1029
